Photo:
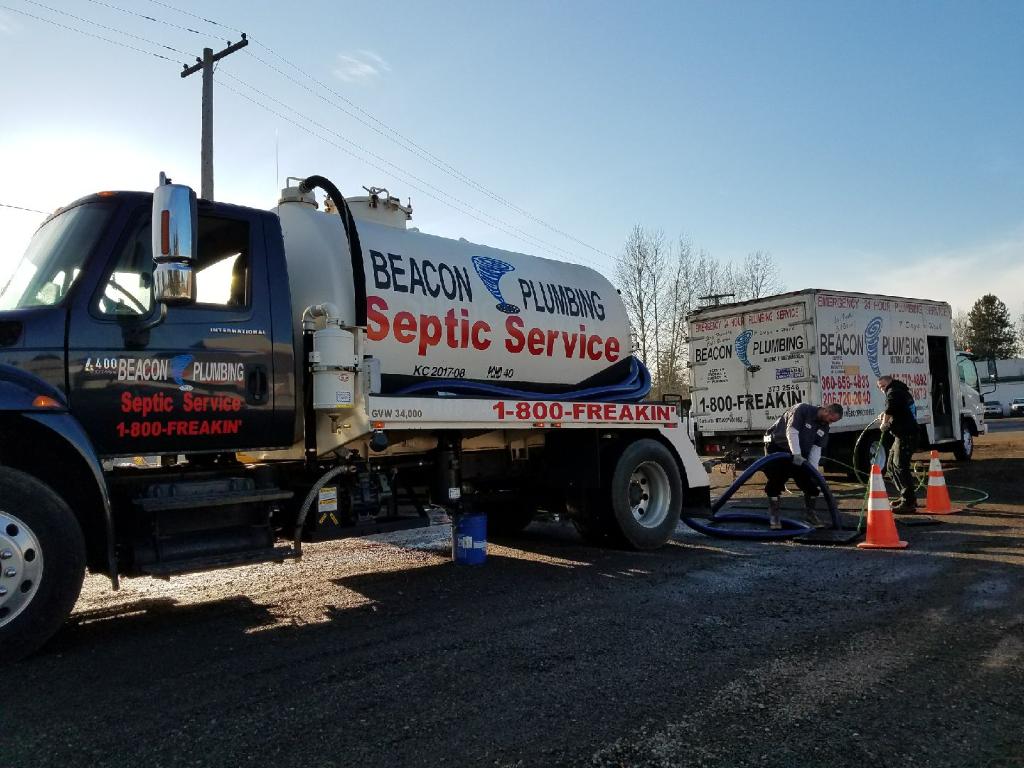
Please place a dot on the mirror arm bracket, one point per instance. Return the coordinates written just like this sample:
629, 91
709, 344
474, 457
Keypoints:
154, 321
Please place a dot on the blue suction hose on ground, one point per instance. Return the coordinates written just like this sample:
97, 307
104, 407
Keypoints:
790, 528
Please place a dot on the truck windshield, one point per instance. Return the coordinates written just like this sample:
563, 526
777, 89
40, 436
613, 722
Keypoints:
55, 257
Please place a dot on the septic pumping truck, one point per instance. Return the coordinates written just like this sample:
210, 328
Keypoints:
303, 374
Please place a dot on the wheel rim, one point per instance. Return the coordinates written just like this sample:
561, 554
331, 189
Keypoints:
649, 494
21, 566
968, 439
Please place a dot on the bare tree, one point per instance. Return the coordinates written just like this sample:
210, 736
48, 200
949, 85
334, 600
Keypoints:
679, 300
638, 274
961, 329
757, 276
1020, 334
660, 290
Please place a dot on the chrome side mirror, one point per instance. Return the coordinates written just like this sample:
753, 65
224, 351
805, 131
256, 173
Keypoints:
175, 232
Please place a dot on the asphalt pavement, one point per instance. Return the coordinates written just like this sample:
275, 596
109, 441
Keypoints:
708, 652
1005, 425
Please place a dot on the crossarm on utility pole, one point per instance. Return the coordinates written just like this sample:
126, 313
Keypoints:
206, 65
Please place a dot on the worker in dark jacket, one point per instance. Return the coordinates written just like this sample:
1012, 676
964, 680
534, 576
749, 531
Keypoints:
900, 419
803, 432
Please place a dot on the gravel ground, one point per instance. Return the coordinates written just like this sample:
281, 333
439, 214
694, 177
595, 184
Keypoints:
706, 653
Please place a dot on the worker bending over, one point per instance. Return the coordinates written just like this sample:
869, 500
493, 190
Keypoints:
803, 432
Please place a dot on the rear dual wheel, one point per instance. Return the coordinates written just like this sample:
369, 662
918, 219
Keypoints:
640, 504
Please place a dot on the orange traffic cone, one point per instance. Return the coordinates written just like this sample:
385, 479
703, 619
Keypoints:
881, 525
938, 494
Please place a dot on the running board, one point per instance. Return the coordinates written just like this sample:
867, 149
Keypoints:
170, 568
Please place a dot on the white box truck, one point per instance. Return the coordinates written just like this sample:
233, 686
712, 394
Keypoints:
752, 360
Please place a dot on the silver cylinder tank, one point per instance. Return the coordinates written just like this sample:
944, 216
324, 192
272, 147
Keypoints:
451, 309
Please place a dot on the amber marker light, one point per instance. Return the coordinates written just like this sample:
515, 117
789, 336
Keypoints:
165, 232
42, 401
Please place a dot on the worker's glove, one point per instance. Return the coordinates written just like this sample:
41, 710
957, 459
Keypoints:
798, 460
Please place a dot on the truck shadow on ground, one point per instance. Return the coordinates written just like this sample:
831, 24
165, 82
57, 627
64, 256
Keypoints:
167, 635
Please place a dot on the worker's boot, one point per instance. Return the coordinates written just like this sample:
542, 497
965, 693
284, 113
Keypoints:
811, 512
774, 510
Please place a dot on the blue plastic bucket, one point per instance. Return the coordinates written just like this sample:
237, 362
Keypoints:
469, 539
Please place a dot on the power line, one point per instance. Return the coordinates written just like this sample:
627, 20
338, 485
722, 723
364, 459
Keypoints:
104, 26
396, 136
194, 15
462, 205
446, 196
349, 152
87, 34
22, 208
153, 19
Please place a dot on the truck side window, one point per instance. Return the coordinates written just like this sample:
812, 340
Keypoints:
128, 289
222, 268
969, 373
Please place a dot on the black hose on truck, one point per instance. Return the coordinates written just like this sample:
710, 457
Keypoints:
354, 248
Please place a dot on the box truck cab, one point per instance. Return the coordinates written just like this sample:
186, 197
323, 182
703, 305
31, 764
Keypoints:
750, 361
302, 375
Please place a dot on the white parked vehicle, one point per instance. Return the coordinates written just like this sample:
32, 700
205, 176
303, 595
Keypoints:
750, 361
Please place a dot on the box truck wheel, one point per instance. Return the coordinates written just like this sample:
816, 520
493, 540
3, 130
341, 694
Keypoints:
964, 448
42, 563
646, 495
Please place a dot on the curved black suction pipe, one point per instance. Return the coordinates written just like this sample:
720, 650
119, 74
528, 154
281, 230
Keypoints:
354, 248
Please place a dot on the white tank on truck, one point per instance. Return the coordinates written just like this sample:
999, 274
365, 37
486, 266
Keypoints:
448, 309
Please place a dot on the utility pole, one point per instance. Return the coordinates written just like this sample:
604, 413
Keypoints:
206, 65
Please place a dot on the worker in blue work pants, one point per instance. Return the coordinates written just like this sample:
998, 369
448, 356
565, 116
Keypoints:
802, 432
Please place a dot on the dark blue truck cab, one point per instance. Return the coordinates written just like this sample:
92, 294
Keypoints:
93, 368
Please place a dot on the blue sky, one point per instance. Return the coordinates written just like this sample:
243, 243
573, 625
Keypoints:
867, 146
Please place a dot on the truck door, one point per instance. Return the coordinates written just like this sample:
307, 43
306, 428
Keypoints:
200, 379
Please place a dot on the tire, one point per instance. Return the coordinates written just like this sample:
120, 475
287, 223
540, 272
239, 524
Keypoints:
963, 450
45, 549
646, 496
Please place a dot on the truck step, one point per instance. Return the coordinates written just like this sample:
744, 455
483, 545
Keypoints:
193, 565
206, 500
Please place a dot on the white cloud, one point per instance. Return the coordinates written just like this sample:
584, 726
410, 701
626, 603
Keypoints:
360, 66
961, 276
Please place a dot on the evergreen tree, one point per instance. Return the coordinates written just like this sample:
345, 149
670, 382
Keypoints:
990, 330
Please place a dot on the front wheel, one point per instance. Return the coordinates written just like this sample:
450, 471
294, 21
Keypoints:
646, 495
42, 563
964, 449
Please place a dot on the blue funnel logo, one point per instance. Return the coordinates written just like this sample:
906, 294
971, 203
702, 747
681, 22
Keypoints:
871, 334
742, 341
178, 366
490, 272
